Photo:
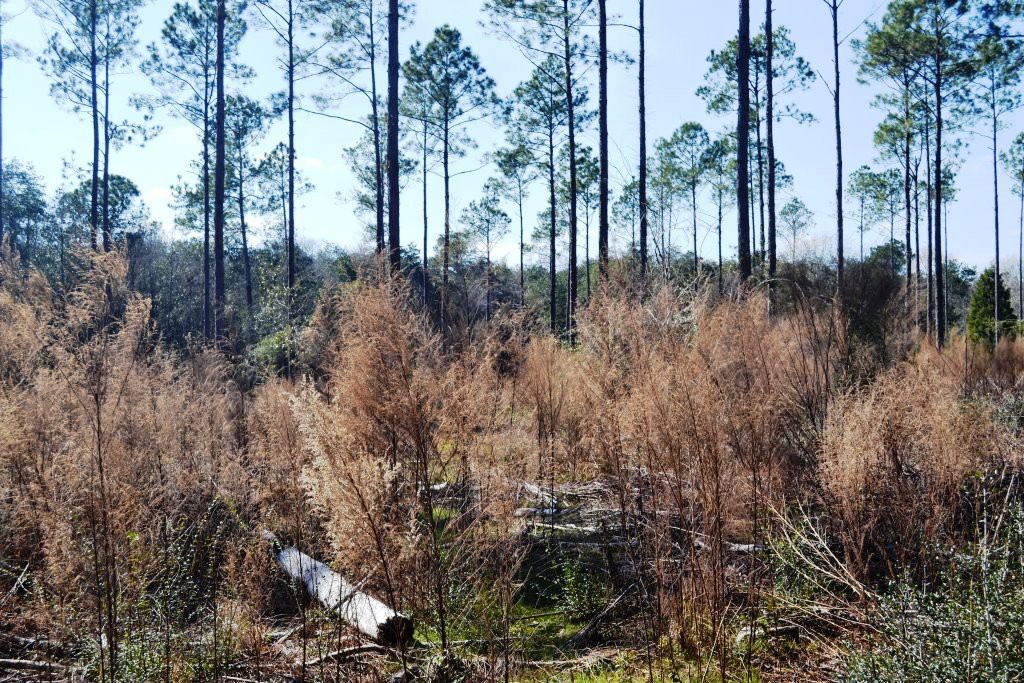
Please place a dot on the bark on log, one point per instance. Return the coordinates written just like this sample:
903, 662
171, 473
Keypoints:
30, 665
369, 616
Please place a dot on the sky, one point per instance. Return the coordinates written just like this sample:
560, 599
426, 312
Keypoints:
680, 34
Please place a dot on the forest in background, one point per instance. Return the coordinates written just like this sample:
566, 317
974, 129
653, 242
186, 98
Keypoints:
639, 464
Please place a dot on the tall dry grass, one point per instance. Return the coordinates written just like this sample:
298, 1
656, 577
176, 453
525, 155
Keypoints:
134, 480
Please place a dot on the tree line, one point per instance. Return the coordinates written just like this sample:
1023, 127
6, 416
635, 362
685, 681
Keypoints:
947, 69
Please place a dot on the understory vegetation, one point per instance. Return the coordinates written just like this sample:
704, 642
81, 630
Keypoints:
774, 486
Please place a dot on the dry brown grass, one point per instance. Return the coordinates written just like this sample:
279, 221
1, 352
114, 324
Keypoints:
401, 460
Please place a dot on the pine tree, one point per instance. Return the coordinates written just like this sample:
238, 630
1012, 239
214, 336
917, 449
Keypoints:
833, 8
246, 124
540, 28
356, 40
182, 69
686, 155
458, 91
518, 166
720, 161
73, 60
790, 74
538, 115
998, 94
394, 170
286, 19
487, 224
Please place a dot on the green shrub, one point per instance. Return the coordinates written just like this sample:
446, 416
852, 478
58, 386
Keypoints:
275, 352
965, 627
583, 593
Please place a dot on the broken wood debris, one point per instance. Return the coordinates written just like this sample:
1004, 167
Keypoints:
366, 614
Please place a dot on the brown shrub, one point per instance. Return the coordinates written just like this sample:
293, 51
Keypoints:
896, 457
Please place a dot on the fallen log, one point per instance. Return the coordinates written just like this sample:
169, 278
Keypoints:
787, 631
11, 642
30, 665
366, 614
348, 654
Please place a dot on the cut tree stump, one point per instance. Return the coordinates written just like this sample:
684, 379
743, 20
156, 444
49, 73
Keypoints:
366, 614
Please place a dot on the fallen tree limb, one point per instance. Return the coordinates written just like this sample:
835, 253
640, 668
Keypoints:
368, 615
587, 660
11, 641
348, 654
30, 665
582, 638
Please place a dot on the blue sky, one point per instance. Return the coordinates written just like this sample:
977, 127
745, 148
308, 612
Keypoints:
680, 35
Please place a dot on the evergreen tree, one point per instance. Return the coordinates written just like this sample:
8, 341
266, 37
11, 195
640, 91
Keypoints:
797, 219
720, 161
982, 325
686, 155
450, 78
73, 59
541, 28
790, 74
182, 69
538, 115
487, 224
997, 95
357, 40
246, 124
518, 166
286, 19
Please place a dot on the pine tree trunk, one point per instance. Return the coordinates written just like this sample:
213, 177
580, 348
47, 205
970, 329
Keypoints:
840, 265
721, 263
760, 166
917, 246
107, 238
643, 146
586, 244
207, 327
743, 140
522, 248
995, 196
915, 182
291, 158
1020, 255
394, 240
892, 240
552, 265
862, 238
94, 211
940, 302
378, 155
447, 228
218, 185
929, 196
907, 139
770, 105
696, 257
602, 232
425, 221
571, 110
